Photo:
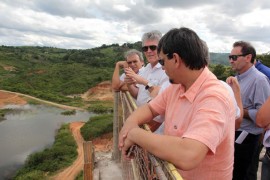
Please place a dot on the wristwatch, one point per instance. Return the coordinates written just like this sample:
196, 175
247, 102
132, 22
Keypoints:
149, 85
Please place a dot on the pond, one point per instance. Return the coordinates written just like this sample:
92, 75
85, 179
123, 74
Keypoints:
27, 129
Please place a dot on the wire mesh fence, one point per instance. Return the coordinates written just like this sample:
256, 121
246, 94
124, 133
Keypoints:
143, 166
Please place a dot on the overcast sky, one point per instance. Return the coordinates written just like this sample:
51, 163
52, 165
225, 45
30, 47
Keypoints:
83, 24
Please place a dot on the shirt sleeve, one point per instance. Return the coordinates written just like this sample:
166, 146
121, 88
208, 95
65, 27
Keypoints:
164, 80
122, 77
260, 96
160, 101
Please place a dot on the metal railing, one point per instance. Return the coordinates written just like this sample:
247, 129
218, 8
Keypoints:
144, 165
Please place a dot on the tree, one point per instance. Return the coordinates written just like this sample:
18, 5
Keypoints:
219, 70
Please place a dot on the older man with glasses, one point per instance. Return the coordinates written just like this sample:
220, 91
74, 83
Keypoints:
255, 89
134, 60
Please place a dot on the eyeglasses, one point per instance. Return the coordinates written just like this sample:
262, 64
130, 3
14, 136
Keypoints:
161, 61
235, 57
134, 62
152, 47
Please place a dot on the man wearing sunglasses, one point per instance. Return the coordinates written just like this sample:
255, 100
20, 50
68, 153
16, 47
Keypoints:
152, 77
134, 60
199, 113
255, 89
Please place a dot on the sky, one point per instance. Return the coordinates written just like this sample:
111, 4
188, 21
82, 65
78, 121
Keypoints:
85, 24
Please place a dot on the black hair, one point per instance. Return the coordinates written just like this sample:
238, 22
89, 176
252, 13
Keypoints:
187, 44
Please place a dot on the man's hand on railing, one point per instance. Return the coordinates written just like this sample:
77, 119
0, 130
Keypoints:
129, 144
127, 149
124, 143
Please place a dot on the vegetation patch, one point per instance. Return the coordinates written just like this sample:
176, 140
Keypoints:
100, 106
68, 113
97, 126
32, 101
60, 155
79, 176
3, 113
221, 71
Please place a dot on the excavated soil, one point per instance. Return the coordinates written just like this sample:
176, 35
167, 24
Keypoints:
102, 92
11, 98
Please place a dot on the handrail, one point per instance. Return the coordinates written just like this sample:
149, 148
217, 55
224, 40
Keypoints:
144, 165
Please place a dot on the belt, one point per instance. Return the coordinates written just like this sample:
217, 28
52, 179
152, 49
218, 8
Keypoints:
249, 138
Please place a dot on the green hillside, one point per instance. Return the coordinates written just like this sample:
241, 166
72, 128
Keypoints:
53, 73
219, 58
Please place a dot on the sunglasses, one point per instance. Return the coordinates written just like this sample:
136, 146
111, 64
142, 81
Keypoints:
235, 57
152, 47
161, 61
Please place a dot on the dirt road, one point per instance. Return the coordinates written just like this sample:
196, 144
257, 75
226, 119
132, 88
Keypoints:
72, 171
102, 144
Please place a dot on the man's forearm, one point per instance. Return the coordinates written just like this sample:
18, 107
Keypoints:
140, 116
263, 115
184, 153
133, 90
116, 79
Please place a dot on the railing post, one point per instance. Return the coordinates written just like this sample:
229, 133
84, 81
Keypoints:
116, 152
88, 160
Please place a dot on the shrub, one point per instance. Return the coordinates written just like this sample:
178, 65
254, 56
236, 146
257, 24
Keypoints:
97, 126
71, 112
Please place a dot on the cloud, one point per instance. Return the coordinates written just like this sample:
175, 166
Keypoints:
85, 24
181, 4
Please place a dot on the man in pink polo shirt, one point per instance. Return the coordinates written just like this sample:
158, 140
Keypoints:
199, 113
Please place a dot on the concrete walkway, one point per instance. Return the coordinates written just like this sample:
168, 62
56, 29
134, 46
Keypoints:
106, 168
